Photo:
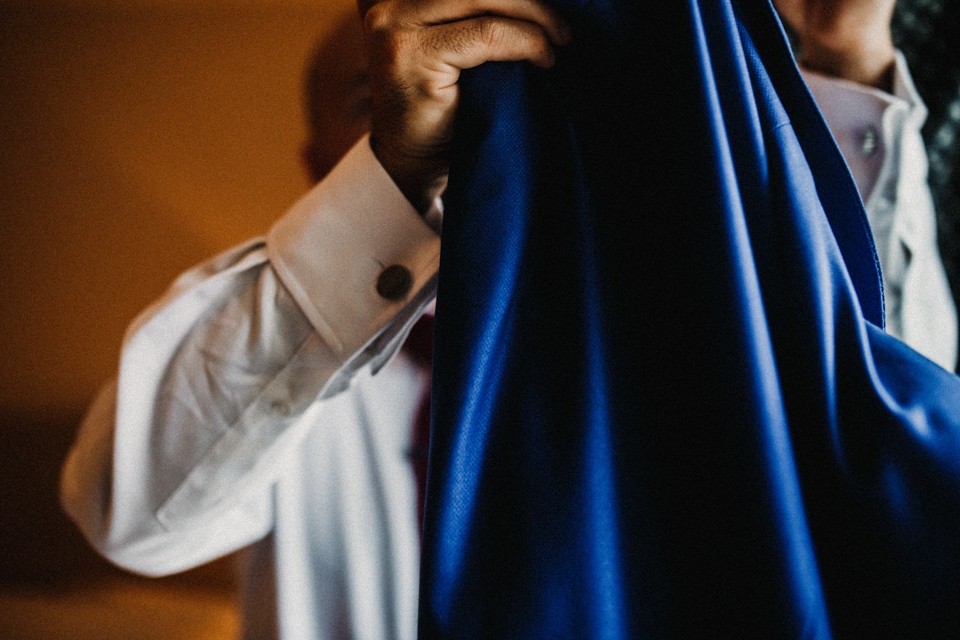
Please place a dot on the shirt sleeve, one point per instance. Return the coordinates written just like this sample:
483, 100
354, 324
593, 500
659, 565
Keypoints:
222, 378
879, 136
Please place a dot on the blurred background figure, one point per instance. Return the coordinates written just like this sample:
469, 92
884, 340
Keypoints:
865, 91
887, 131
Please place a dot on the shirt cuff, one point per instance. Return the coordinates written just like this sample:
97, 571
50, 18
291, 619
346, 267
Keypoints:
354, 252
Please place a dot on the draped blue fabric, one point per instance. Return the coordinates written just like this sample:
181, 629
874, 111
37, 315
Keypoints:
664, 405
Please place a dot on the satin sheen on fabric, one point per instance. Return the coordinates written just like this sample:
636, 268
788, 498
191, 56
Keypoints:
663, 402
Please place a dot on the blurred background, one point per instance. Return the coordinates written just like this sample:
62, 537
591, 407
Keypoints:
137, 138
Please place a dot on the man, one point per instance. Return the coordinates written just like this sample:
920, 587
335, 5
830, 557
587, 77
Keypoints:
257, 403
862, 86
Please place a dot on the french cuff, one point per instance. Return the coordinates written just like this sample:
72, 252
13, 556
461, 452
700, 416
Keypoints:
354, 253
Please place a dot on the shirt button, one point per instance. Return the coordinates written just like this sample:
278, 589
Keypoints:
869, 141
394, 282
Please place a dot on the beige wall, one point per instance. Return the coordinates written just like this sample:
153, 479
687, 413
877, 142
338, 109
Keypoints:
136, 138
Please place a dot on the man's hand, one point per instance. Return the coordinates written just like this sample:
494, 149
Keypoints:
417, 49
847, 39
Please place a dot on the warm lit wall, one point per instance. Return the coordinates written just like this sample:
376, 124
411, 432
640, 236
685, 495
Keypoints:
136, 138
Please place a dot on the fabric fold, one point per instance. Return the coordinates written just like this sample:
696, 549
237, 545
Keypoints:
663, 404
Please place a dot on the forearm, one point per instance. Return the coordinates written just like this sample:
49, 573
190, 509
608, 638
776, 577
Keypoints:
220, 380
150, 428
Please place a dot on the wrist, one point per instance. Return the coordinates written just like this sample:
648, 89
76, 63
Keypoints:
420, 179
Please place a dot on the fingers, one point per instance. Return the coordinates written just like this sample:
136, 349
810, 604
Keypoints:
462, 34
533, 11
429, 13
469, 43
417, 49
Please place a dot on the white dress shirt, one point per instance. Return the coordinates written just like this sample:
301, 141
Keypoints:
226, 424
879, 136
227, 428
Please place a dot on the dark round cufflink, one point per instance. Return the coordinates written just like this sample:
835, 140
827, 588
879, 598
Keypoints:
394, 282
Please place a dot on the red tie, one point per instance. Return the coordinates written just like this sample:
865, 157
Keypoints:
419, 347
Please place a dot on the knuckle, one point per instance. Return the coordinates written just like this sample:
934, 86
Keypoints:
390, 49
489, 31
378, 18
389, 42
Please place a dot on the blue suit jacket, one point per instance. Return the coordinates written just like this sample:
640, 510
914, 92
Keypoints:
664, 404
